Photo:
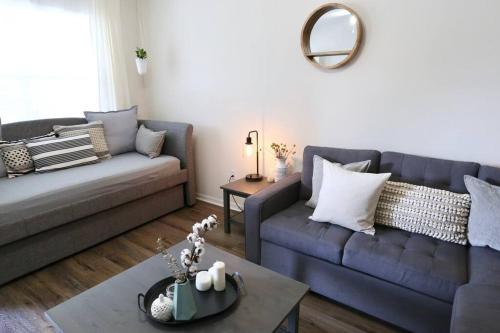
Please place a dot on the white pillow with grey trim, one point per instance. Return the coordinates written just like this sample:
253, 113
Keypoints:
349, 198
317, 177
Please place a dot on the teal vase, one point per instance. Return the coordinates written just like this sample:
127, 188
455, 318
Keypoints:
184, 304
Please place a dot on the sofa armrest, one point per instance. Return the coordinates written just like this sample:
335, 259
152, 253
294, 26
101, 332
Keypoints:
178, 143
476, 308
262, 205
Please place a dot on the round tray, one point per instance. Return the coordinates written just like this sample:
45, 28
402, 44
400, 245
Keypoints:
208, 303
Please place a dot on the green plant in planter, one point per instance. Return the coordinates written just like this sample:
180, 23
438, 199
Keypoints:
141, 53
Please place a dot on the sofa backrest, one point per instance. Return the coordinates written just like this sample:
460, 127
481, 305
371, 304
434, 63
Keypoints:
490, 174
432, 172
32, 128
338, 155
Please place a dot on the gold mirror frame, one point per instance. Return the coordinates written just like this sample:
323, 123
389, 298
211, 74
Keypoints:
306, 35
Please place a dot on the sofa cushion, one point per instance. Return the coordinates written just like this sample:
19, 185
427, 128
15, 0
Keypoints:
96, 132
38, 202
317, 176
484, 220
438, 173
421, 263
349, 198
484, 266
120, 129
292, 228
62, 153
424, 210
337, 155
476, 309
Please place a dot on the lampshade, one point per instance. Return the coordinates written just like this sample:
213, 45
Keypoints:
249, 147
249, 150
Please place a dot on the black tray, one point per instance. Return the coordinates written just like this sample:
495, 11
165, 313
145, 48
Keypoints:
208, 303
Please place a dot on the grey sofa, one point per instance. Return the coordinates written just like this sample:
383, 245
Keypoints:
46, 217
415, 282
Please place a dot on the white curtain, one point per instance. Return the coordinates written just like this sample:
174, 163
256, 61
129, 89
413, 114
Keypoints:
112, 72
60, 57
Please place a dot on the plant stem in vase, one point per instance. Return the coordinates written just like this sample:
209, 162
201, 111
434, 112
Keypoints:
282, 152
184, 304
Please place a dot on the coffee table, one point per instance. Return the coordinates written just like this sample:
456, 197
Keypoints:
112, 305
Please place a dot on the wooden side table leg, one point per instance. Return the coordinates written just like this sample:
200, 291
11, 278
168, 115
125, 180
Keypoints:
227, 212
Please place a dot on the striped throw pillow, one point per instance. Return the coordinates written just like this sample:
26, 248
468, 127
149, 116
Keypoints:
96, 132
62, 153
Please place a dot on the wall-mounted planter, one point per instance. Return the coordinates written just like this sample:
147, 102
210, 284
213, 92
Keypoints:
142, 65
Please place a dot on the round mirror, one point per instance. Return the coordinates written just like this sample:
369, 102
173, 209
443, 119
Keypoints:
331, 36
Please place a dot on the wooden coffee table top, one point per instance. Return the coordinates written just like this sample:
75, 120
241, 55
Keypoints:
112, 305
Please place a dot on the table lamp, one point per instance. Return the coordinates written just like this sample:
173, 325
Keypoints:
252, 177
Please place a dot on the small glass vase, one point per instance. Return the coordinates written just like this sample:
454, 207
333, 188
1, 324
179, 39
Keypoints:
170, 291
281, 168
184, 303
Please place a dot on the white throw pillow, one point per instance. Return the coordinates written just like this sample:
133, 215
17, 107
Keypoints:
317, 177
349, 198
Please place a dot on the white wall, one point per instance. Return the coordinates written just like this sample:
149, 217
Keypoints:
426, 81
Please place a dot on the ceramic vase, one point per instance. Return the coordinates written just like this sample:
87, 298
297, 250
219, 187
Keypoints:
142, 66
184, 304
280, 171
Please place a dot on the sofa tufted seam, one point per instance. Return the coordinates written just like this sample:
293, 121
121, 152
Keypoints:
409, 269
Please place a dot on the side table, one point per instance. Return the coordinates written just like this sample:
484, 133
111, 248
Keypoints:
240, 188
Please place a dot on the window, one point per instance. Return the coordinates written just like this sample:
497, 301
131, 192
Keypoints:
48, 66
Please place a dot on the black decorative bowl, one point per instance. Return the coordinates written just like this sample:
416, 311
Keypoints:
208, 303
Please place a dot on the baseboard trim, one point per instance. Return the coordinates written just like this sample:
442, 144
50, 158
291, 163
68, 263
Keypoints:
217, 201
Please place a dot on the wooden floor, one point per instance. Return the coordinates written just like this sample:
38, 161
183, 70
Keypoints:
23, 301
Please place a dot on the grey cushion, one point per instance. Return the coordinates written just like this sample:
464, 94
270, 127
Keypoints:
149, 142
338, 155
292, 229
421, 263
484, 220
476, 309
38, 202
317, 177
120, 128
443, 174
484, 266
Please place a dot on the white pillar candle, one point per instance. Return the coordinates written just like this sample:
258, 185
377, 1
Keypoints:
218, 272
203, 281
